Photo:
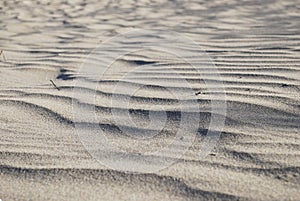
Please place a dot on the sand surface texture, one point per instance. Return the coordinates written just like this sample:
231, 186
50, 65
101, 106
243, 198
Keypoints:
255, 46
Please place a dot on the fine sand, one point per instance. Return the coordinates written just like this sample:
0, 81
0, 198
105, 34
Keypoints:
255, 46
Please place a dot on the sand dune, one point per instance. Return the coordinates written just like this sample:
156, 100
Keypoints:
254, 47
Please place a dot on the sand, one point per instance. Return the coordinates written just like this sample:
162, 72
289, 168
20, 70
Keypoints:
254, 45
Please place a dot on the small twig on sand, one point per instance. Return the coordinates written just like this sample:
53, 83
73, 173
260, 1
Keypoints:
54, 85
2, 53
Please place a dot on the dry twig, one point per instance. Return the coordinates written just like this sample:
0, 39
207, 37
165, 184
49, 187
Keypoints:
2, 53
54, 85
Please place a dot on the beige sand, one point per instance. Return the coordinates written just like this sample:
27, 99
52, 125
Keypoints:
255, 47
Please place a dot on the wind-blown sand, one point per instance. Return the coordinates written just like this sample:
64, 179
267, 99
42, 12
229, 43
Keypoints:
255, 46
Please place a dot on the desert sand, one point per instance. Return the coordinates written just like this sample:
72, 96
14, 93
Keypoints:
254, 45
